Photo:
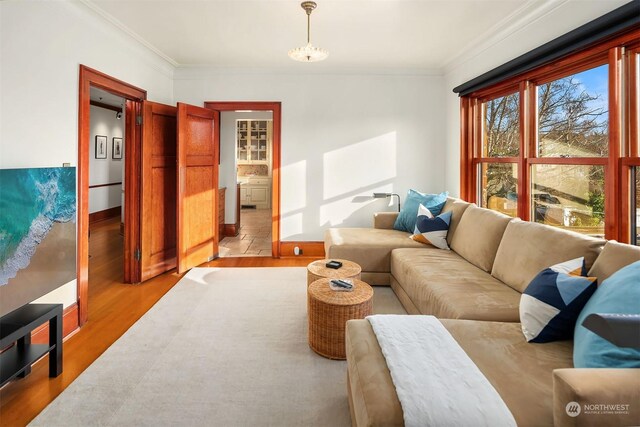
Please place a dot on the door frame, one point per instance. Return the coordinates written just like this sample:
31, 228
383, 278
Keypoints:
134, 96
276, 109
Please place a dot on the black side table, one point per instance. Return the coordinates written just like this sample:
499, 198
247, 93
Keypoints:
16, 327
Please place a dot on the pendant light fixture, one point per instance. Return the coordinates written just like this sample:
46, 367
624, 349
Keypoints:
308, 53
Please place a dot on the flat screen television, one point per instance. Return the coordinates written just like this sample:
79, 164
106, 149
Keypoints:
37, 233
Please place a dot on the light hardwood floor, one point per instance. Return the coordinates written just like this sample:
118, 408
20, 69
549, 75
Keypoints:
113, 308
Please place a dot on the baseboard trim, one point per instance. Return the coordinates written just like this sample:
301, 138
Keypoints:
40, 335
231, 230
104, 214
309, 249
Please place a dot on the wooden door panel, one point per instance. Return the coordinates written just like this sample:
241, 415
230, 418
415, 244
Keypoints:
164, 217
158, 216
198, 186
198, 202
199, 135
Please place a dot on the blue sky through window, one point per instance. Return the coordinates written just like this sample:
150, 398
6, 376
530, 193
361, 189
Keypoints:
596, 82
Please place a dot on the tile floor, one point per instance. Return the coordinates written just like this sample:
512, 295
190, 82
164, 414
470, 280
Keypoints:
254, 238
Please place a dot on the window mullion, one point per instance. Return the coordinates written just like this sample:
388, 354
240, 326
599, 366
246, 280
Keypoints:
612, 212
525, 138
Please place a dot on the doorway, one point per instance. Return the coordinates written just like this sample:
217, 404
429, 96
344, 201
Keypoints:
246, 151
132, 99
250, 168
106, 190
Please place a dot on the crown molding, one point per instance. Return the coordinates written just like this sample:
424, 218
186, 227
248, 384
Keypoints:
126, 30
195, 72
526, 15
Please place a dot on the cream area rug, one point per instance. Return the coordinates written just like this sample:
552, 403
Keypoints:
224, 347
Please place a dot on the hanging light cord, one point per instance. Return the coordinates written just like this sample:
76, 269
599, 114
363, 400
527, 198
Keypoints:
309, 25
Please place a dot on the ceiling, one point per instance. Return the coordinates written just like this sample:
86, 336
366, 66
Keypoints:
400, 34
104, 97
258, 33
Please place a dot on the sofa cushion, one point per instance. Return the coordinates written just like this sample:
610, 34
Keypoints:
444, 284
406, 220
372, 395
402, 296
376, 278
384, 220
527, 248
478, 236
613, 257
550, 305
457, 208
521, 372
619, 294
369, 247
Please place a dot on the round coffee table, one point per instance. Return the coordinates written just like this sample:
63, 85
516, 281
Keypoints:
317, 270
329, 311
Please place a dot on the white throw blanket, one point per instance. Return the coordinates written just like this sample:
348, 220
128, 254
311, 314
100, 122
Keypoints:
436, 382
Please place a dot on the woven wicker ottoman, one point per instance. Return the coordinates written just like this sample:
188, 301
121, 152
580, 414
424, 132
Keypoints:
329, 311
317, 270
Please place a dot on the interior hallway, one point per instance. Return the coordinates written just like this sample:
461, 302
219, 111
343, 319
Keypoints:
254, 238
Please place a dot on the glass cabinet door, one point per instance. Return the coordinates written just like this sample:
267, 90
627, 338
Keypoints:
243, 152
253, 146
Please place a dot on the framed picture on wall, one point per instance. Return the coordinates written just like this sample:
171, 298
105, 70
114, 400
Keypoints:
116, 148
101, 147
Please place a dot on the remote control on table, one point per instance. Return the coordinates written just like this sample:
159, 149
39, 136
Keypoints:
333, 264
342, 283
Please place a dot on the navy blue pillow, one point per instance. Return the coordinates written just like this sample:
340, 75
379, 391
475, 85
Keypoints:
432, 230
550, 305
406, 220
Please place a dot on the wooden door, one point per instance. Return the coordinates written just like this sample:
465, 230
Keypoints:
158, 214
197, 197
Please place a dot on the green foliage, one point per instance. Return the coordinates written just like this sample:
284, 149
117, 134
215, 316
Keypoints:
596, 203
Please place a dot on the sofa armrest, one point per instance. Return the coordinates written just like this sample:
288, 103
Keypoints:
603, 397
384, 220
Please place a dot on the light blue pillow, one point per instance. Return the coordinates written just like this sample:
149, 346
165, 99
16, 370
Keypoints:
620, 294
406, 220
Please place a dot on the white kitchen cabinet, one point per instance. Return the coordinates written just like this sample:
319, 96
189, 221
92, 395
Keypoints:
256, 192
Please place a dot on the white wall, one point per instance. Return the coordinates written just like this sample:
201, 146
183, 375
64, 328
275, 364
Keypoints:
42, 44
344, 136
540, 25
109, 170
228, 164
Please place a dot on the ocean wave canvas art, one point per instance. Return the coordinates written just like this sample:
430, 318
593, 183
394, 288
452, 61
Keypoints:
37, 233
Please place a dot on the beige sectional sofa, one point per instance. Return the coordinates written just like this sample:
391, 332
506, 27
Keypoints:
475, 290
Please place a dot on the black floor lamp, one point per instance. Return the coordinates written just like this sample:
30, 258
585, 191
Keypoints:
386, 195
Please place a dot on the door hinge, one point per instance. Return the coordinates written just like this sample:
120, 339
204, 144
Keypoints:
138, 120
137, 254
